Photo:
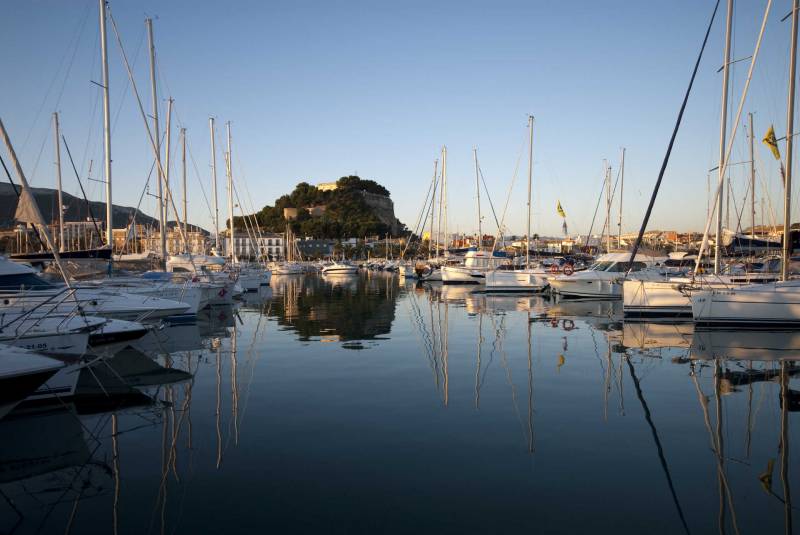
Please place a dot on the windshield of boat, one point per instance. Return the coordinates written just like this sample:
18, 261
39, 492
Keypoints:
617, 267
601, 266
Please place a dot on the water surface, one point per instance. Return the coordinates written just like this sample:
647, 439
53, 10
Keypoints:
368, 404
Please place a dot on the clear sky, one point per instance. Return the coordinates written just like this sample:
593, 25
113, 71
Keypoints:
318, 90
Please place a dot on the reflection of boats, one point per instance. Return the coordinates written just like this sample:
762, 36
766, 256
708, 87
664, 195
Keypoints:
455, 293
137, 369
214, 321
342, 280
507, 303
745, 345
172, 338
586, 308
256, 299
657, 335
21, 373
44, 442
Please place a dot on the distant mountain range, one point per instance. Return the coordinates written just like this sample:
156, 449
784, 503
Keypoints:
76, 208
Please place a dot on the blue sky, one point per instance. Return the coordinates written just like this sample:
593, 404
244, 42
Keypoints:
318, 90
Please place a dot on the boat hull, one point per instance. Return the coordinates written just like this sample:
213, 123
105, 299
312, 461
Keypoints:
462, 275
763, 305
515, 281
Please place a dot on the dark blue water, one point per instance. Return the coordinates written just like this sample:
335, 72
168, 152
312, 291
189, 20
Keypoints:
368, 404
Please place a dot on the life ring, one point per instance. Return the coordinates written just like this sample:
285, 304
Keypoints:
568, 325
554, 268
568, 269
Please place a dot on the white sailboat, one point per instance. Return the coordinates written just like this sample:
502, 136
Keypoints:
762, 305
527, 279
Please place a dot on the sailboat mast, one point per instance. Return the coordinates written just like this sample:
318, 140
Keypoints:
439, 215
162, 225
621, 186
229, 169
444, 194
433, 200
608, 208
167, 151
530, 182
58, 183
183, 168
787, 203
214, 181
106, 125
723, 125
478, 191
752, 181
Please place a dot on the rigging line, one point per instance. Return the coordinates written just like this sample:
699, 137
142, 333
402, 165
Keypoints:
727, 151
136, 210
8, 174
94, 107
594, 217
74, 53
646, 219
513, 180
199, 180
194, 162
489, 197
419, 218
125, 91
39, 156
76, 38
78, 178
150, 135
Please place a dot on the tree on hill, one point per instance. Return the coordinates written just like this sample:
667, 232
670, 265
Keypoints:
346, 215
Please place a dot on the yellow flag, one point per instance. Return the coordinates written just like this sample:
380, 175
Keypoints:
770, 141
560, 210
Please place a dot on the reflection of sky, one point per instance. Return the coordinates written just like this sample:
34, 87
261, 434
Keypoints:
397, 437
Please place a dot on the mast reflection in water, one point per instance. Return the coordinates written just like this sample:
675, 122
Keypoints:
464, 412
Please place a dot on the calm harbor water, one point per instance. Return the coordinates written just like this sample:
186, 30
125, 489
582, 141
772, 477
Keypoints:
368, 404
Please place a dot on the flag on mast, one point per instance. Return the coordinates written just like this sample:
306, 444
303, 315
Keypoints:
771, 142
560, 210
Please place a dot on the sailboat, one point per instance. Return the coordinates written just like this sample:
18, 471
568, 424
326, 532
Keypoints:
765, 305
478, 261
520, 280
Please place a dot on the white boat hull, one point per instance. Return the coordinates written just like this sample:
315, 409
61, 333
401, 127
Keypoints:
462, 275
765, 305
588, 285
515, 281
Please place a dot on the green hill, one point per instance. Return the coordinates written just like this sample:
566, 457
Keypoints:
355, 208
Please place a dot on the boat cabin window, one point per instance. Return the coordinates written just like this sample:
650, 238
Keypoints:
26, 280
622, 267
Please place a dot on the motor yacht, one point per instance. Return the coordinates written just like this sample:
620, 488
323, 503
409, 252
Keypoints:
604, 278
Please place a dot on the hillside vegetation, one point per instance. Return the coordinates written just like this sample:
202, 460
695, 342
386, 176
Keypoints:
347, 211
